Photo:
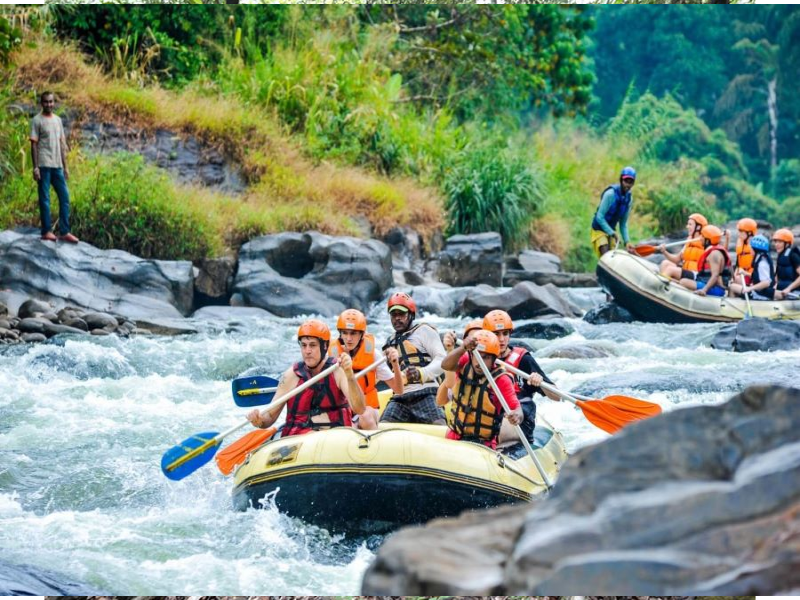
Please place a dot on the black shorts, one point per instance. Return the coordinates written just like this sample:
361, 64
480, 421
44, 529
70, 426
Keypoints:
688, 275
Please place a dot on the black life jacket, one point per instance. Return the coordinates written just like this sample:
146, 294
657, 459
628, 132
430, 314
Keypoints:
786, 267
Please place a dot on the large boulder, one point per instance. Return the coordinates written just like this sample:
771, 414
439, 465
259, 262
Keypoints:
543, 330
100, 280
514, 276
213, 280
757, 334
702, 500
534, 261
610, 312
292, 274
442, 301
472, 259
525, 300
23, 580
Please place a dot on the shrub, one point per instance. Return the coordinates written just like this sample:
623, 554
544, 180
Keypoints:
489, 189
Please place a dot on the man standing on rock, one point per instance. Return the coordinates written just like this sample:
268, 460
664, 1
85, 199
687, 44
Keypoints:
420, 352
49, 153
615, 206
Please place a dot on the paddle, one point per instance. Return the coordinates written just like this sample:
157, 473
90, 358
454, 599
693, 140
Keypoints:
626, 403
605, 415
644, 250
749, 314
520, 433
195, 451
236, 453
253, 391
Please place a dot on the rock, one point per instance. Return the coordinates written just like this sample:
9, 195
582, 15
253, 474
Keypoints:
610, 312
752, 335
514, 276
69, 313
5, 324
52, 329
543, 330
100, 332
577, 351
98, 280
472, 259
77, 323
8, 334
166, 326
33, 308
638, 512
214, 280
33, 338
525, 300
3, 309
96, 320
229, 313
405, 246
18, 580
32, 325
293, 274
445, 302
413, 278
540, 262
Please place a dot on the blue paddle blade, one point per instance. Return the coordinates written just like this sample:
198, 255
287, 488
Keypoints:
245, 384
188, 447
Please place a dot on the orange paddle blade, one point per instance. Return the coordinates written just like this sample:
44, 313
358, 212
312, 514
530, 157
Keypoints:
607, 417
235, 454
645, 250
633, 405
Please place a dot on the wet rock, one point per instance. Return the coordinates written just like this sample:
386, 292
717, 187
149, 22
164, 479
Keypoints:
69, 313
577, 351
635, 513
166, 326
100, 332
514, 276
19, 580
52, 329
525, 300
543, 330
214, 280
96, 320
33, 338
445, 302
753, 335
77, 323
538, 262
610, 312
406, 247
32, 325
229, 313
33, 308
292, 274
8, 334
472, 259
98, 280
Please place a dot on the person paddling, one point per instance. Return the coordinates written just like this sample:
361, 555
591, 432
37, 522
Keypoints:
449, 341
420, 352
475, 413
684, 264
499, 322
328, 403
714, 266
787, 265
761, 286
745, 255
615, 207
360, 345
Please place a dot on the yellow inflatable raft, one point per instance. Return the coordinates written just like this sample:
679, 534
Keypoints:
345, 479
636, 285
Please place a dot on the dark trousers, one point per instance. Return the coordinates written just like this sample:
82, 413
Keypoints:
55, 177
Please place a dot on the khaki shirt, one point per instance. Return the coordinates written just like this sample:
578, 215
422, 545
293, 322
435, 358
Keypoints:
48, 132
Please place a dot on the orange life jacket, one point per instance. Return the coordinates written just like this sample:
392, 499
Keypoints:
365, 356
744, 256
692, 252
472, 413
322, 397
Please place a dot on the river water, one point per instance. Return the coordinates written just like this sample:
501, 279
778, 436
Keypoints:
84, 422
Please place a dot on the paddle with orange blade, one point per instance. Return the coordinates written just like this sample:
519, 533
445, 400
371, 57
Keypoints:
644, 250
236, 453
608, 416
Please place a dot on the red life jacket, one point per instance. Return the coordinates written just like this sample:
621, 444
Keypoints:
322, 397
514, 359
703, 272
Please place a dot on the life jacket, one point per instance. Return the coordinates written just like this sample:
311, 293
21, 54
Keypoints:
744, 256
692, 252
754, 278
514, 359
620, 206
704, 273
786, 268
365, 355
410, 355
322, 397
472, 414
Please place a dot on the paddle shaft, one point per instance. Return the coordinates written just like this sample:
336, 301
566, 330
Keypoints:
520, 433
746, 297
278, 403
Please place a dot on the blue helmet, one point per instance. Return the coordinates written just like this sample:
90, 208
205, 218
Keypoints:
760, 243
628, 172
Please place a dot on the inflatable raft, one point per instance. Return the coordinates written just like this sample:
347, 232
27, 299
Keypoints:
636, 285
365, 482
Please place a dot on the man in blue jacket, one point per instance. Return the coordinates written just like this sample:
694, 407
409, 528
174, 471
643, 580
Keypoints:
615, 206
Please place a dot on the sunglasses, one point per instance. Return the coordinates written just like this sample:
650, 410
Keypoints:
628, 179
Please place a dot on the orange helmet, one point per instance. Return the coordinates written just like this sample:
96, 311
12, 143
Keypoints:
699, 219
712, 233
401, 299
487, 342
352, 320
316, 329
748, 225
472, 326
784, 235
497, 320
